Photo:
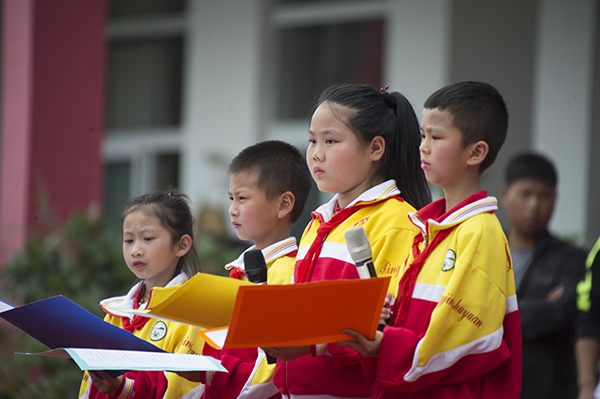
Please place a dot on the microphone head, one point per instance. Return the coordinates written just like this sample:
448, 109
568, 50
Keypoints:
254, 259
255, 266
358, 244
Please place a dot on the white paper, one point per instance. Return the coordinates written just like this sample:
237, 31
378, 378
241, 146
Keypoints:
4, 306
218, 337
105, 359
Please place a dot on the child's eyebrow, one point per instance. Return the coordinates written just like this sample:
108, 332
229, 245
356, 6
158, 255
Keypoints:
430, 129
237, 192
142, 231
327, 131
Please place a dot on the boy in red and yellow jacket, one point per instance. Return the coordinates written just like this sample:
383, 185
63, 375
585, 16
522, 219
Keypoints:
455, 329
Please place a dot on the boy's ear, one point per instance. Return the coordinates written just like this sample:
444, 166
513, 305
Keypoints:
184, 245
479, 151
377, 148
286, 204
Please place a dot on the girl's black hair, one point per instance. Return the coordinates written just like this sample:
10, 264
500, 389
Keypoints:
173, 211
373, 112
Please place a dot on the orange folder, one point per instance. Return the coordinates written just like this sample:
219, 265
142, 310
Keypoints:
304, 314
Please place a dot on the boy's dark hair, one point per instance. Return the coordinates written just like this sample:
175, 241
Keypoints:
173, 211
375, 112
478, 110
530, 165
280, 167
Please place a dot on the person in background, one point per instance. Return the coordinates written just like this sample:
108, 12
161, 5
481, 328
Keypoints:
587, 345
547, 270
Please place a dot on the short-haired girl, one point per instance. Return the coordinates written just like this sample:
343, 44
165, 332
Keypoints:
158, 248
364, 148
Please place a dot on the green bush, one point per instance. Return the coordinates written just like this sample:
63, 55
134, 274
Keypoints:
81, 260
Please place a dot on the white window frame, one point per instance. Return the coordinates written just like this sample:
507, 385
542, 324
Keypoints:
306, 14
141, 147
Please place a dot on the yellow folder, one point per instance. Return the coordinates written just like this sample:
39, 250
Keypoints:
205, 301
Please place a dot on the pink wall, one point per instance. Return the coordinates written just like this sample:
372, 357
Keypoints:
53, 93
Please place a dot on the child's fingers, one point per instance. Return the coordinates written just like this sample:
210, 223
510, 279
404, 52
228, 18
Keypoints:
387, 300
386, 313
359, 343
366, 347
349, 344
105, 383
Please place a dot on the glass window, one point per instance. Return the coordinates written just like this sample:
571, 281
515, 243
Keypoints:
144, 83
312, 1
116, 191
129, 8
167, 171
314, 57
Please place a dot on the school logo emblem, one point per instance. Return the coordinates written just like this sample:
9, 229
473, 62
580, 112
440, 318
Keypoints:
361, 222
449, 261
158, 331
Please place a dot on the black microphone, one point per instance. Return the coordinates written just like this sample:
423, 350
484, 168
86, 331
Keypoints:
360, 250
255, 268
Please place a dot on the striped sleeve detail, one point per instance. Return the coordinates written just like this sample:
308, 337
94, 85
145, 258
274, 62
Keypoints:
444, 360
434, 293
336, 250
448, 358
127, 391
428, 292
332, 250
511, 304
319, 350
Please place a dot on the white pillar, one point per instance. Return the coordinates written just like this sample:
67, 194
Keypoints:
418, 42
562, 103
220, 115
417, 49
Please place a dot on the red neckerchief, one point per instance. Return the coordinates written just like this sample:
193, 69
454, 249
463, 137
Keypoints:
306, 266
239, 273
138, 321
409, 278
236, 273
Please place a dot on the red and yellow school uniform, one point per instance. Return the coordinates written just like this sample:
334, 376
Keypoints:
332, 370
170, 336
249, 374
455, 329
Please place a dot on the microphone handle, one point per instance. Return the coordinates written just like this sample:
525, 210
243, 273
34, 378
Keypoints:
366, 269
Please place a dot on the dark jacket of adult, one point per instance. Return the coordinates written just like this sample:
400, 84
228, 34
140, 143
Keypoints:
548, 328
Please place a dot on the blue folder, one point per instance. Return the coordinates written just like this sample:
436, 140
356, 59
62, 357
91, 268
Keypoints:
58, 322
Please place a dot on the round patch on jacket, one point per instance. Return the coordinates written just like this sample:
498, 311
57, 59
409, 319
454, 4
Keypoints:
449, 261
158, 331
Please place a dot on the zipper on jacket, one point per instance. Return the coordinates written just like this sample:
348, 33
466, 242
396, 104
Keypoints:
287, 388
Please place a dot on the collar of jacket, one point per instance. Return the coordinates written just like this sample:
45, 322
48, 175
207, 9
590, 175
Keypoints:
433, 217
373, 195
270, 253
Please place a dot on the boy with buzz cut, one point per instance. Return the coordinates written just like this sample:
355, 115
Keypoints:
269, 184
455, 329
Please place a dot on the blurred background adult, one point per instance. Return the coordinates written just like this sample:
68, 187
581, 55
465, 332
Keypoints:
547, 270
